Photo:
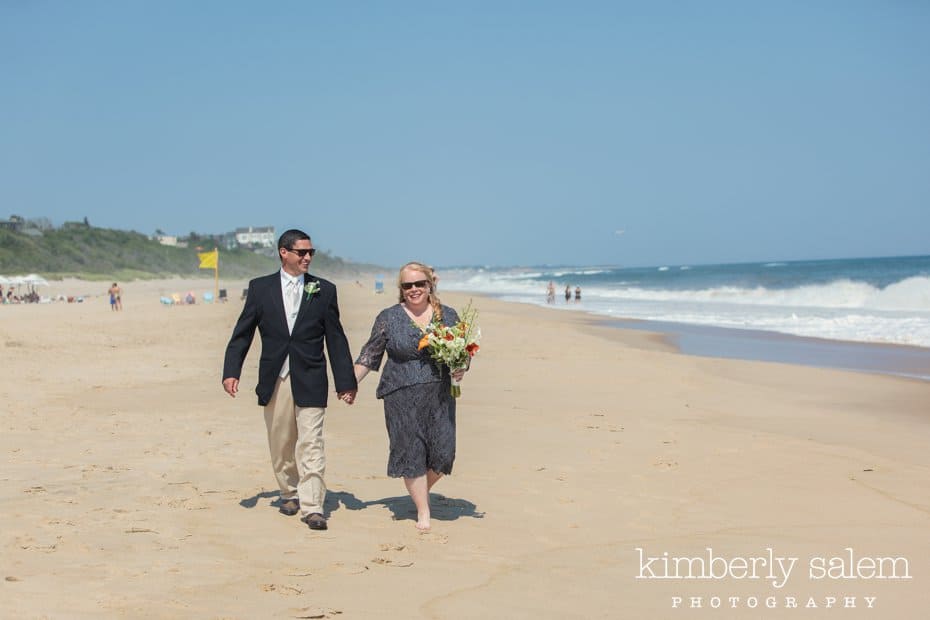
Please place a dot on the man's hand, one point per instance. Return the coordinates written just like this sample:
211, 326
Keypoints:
348, 397
231, 385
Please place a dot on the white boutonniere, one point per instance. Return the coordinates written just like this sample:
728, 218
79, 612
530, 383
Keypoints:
311, 288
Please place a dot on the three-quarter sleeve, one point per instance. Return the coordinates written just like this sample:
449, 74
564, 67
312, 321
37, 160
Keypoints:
373, 351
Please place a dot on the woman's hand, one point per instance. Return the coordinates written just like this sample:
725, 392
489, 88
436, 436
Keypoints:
458, 374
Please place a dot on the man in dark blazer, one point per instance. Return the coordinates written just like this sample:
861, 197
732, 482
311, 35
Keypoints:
295, 312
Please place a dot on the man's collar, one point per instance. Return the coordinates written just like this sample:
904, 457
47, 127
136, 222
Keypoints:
286, 277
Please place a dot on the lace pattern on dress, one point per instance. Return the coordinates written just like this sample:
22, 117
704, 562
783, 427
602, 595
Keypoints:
395, 334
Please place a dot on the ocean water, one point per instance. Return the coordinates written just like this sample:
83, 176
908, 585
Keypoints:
866, 300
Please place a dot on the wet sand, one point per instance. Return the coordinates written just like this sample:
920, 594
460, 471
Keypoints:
755, 345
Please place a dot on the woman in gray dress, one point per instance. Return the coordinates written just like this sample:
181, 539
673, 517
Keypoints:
419, 411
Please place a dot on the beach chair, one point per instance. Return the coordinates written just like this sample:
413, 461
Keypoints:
176, 299
245, 293
207, 297
379, 285
166, 301
223, 298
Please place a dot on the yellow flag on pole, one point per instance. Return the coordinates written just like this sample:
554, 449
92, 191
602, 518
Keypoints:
209, 260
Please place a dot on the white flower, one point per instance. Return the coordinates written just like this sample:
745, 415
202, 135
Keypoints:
452, 345
312, 288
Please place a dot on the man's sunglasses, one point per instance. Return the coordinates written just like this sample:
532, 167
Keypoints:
301, 252
409, 285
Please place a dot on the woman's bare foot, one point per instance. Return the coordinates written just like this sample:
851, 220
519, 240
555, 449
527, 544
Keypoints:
419, 493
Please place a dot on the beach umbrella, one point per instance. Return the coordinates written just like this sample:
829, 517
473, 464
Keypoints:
35, 280
16, 281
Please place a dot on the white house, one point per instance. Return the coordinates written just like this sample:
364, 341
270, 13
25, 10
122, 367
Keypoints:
262, 236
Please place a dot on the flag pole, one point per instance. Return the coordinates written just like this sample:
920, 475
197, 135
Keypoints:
216, 275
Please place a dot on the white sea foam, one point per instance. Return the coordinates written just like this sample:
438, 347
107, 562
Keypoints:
841, 310
912, 294
576, 272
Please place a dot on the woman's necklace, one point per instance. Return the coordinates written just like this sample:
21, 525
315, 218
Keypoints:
423, 319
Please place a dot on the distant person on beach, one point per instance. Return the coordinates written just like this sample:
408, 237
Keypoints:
116, 294
419, 410
568, 292
577, 294
295, 313
550, 293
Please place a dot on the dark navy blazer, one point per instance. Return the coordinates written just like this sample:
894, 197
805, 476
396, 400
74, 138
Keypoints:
317, 322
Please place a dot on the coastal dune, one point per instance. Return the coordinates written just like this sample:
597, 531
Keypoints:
599, 474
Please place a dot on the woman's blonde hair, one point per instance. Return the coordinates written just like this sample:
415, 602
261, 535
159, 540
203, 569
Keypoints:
431, 277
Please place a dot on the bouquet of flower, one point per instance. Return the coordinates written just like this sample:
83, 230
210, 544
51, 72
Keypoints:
454, 345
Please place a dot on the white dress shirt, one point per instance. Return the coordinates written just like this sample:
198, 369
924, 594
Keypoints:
290, 292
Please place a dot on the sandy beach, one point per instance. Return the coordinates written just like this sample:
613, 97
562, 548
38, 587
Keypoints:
589, 460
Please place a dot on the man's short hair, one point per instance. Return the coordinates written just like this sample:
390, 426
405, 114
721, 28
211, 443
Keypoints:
289, 237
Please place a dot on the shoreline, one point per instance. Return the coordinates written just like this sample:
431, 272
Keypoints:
710, 341
706, 341
898, 360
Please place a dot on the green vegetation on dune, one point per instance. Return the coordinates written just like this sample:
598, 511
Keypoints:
103, 253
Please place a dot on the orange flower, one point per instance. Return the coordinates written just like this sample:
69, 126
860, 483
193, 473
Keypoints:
424, 342
472, 349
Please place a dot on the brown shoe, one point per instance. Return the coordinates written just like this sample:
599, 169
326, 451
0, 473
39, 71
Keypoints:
315, 521
289, 507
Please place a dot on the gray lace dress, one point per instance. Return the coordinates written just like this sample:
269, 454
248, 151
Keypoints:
419, 411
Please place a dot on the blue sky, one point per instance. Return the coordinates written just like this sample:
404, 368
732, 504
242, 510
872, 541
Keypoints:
496, 133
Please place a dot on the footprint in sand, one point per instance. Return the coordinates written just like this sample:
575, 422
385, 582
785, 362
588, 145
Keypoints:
386, 560
29, 544
389, 562
348, 569
433, 537
316, 612
665, 463
284, 590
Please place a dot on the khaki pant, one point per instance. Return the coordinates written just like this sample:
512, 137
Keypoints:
295, 438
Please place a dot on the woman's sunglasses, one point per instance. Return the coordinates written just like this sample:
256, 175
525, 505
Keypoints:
409, 285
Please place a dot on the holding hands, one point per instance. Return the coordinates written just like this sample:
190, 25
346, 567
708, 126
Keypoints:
231, 386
